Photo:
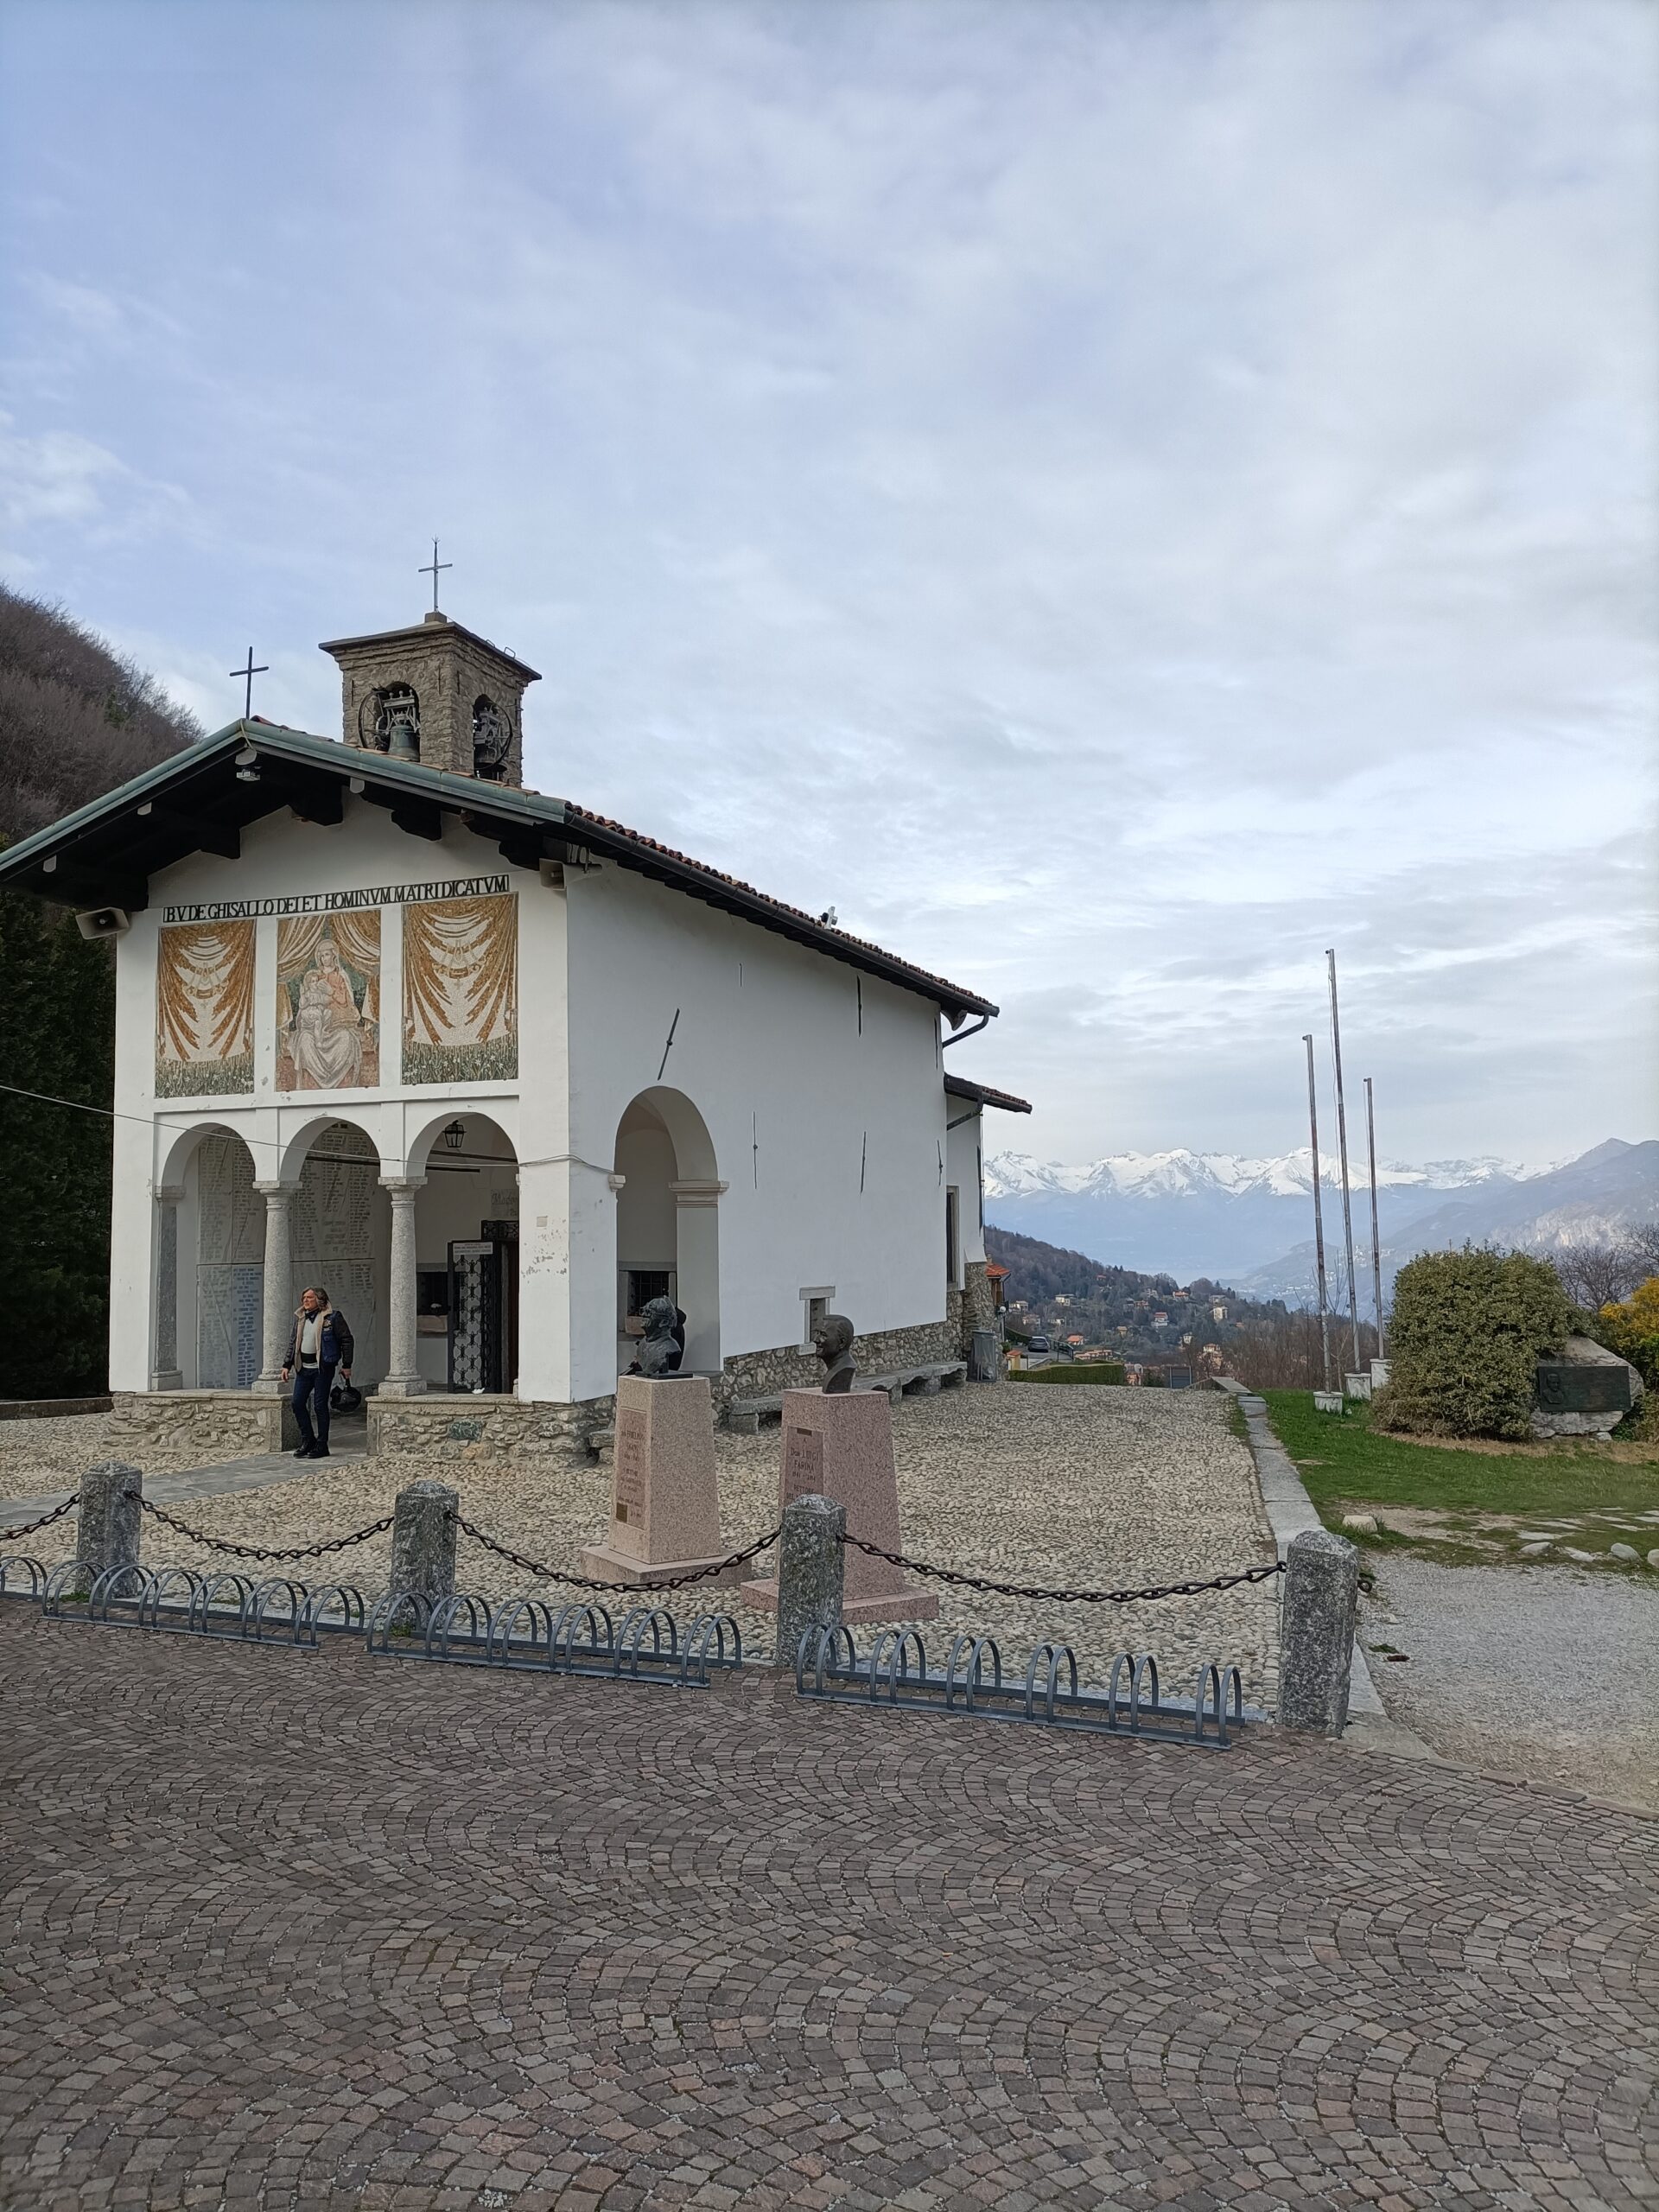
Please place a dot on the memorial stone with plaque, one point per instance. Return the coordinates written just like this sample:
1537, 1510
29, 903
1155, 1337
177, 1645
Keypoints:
841, 1447
665, 1500
1587, 1391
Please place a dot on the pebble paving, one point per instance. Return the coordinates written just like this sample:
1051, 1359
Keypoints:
297, 1932
1082, 1488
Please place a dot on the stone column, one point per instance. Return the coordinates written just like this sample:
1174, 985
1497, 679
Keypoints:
811, 1570
279, 1284
108, 1524
697, 1237
403, 1378
165, 1373
423, 1541
1317, 1631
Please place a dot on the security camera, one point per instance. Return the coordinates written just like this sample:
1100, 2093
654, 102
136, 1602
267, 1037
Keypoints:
104, 921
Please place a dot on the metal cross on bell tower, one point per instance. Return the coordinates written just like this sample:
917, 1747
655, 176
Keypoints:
248, 675
431, 569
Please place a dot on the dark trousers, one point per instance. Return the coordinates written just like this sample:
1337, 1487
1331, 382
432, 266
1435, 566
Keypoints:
312, 1386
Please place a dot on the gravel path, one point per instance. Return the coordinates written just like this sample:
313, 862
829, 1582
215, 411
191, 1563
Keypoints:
1096, 1488
1549, 1672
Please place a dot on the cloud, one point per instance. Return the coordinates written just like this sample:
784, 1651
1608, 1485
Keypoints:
1115, 500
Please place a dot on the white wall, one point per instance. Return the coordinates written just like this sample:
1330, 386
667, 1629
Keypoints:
827, 1128
803, 1100
283, 856
965, 1166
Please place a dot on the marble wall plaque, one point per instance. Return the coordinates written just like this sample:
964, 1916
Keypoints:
230, 1323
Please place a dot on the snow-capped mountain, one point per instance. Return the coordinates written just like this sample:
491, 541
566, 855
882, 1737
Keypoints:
1237, 1218
1181, 1174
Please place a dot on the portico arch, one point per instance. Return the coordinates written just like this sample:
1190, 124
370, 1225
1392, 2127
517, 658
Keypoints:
463, 1175
208, 1283
298, 1144
668, 1222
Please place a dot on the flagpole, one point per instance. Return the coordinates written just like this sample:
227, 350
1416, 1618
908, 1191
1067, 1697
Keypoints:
1318, 1217
1342, 1153
1376, 1248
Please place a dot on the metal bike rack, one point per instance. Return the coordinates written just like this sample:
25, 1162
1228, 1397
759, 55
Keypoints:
180, 1601
893, 1675
526, 1635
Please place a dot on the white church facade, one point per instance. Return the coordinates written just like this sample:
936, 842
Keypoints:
495, 1071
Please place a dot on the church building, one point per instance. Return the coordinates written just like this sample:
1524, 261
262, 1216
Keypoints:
495, 1071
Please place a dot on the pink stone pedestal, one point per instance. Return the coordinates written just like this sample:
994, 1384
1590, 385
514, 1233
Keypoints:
664, 1504
841, 1448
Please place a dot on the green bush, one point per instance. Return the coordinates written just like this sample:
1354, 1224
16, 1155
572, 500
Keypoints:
1091, 1370
1469, 1328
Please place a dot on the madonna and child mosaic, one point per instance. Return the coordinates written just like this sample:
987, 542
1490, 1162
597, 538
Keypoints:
328, 1001
459, 991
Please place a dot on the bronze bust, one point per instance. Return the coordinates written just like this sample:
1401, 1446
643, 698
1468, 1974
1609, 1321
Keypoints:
833, 1341
660, 1351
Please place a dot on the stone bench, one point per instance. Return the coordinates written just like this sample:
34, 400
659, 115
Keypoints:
745, 1416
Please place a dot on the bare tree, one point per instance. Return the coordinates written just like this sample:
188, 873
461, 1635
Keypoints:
1595, 1273
75, 718
1281, 1352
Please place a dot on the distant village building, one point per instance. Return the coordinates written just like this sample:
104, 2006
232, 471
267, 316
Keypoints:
497, 1070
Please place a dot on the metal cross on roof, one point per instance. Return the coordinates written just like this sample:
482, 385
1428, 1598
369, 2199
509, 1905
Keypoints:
430, 569
249, 673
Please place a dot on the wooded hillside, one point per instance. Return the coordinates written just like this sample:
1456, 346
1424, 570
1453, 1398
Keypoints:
76, 719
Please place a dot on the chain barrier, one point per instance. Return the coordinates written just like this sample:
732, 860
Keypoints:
9, 1535
1066, 1596
258, 1551
544, 1574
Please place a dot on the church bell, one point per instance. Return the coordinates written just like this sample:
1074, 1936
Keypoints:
401, 744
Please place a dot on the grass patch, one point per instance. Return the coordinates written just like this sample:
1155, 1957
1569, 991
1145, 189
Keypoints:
1341, 1458
1093, 1370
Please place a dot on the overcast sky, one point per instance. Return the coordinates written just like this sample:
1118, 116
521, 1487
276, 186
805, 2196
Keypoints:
1113, 499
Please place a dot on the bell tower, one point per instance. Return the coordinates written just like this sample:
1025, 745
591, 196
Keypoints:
437, 695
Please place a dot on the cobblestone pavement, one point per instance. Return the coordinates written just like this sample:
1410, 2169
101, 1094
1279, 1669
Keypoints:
1546, 1671
317, 1932
1091, 1488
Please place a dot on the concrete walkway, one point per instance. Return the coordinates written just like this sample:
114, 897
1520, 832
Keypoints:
348, 1441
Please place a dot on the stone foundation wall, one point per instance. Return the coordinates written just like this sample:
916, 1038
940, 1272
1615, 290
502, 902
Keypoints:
486, 1426
208, 1425
763, 1373
977, 1302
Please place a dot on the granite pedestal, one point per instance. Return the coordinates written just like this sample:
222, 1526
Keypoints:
841, 1448
423, 1541
109, 1517
665, 1500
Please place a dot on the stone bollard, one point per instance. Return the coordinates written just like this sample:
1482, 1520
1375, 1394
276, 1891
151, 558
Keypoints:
811, 1571
423, 1541
1317, 1631
107, 1530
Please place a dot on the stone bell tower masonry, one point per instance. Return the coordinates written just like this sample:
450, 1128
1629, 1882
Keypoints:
438, 695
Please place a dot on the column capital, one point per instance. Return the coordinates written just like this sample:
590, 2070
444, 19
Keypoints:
403, 1186
167, 1194
698, 1190
269, 1191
